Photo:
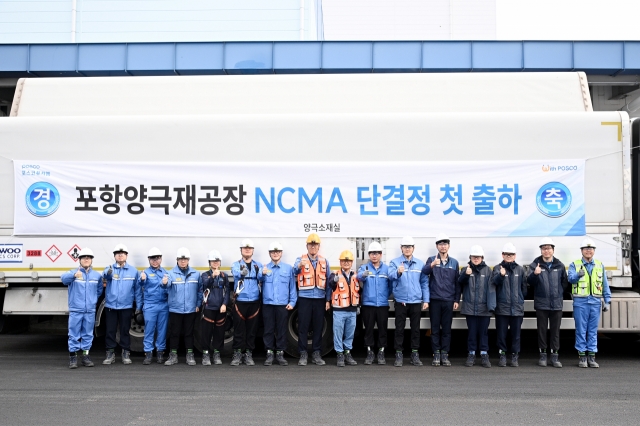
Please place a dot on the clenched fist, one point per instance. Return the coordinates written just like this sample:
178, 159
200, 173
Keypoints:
401, 268
503, 271
435, 262
78, 274
469, 270
143, 276
216, 272
165, 280
265, 271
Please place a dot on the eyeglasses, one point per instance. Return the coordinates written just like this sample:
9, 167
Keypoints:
443, 243
588, 248
508, 254
155, 258
406, 247
375, 252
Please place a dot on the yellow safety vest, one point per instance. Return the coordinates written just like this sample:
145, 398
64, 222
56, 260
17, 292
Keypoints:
589, 284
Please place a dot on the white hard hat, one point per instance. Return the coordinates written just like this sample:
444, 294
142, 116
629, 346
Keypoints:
442, 237
547, 241
476, 251
509, 248
407, 241
183, 253
154, 251
374, 246
214, 255
85, 252
246, 243
588, 242
275, 246
120, 247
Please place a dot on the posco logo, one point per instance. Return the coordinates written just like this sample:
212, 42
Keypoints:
553, 199
42, 199
548, 168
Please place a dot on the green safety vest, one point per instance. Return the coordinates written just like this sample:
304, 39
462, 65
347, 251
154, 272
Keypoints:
589, 284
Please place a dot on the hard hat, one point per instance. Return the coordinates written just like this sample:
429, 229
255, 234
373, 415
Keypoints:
476, 251
313, 239
214, 255
375, 246
85, 252
246, 243
154, 251
442, 237
140, 318
120, 247
275, 246
407, 241
588, 242
346, 255
546, 241
183, 253
509, 248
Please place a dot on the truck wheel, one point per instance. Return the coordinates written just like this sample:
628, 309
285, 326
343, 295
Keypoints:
292, 334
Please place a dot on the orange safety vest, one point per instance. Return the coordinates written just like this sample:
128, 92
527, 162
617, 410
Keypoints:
308, 278
346, 294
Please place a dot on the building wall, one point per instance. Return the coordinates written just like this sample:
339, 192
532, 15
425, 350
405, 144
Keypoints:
100, 21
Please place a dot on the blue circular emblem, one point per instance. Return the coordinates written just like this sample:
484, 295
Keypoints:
553, 199
42, 199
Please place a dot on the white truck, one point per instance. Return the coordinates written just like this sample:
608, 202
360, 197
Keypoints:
314, 130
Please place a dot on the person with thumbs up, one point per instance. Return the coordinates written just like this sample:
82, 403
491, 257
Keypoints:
548, 279
376, 288
511, 289
155, 298
85, 287
590, 291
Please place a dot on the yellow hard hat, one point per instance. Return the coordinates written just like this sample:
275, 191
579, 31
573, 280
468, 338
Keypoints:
346, 255
313, 238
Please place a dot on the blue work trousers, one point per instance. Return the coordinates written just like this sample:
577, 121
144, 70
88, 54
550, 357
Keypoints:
344, 327
156, 322
81, 330
586, 313
478, 339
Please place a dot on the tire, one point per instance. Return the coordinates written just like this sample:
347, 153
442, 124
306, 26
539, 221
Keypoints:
292, 334
228, 335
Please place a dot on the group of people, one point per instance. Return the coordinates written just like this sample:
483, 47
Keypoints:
175, 299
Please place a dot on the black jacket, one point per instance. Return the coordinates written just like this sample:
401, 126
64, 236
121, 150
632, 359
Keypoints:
219, 288
478, 293
510, 289
549, 286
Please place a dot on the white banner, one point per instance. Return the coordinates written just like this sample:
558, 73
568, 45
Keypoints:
349, 199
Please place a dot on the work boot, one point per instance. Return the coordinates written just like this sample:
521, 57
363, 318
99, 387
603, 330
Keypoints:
415, 359
349, 359
398, 361
485, 361
206, 359
445, 359
381, 360
269, 359
303, 358
160, 357
317, 359
216, 358
147, 358
514, 360
436, 359
191, 359
280, 358
542, 362
554, 360
110, 358
126, 359
370, 357
172, 360
86, 361
502, 362
73, 360
582, 361
471, 360
248, 358
236, 359
340, 359
591, 361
